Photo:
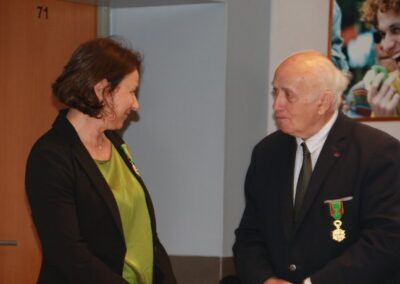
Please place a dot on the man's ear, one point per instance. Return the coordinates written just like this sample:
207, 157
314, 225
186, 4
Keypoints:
325, 102
99, 89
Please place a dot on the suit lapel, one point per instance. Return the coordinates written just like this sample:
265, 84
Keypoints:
99, 182
67, 131
286, 194
101, 185
331, 152
117, 141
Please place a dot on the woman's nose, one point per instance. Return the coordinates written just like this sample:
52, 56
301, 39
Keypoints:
135, 103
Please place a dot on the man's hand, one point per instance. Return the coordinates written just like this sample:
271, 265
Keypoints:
274, 280
382, 96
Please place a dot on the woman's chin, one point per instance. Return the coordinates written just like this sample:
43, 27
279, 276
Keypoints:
115, 126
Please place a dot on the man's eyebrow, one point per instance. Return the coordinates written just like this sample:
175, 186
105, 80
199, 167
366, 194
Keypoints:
393, 25
287, 89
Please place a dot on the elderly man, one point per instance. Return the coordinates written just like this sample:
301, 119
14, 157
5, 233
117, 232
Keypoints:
322, 192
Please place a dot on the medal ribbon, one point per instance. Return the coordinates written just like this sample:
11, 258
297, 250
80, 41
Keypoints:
336, 209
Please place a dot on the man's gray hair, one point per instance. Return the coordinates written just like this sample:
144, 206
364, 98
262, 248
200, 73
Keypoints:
340, 81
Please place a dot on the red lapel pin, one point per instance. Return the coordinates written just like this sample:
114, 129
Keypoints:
337, 153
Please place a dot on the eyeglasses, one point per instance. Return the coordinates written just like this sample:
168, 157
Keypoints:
393, 30
378, 36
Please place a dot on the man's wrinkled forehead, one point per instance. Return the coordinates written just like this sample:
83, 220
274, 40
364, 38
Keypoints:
296, 68
306, 71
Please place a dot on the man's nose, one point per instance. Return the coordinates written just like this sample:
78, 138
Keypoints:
279, 102
388, 43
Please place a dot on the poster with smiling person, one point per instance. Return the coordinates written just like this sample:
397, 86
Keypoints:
365, 41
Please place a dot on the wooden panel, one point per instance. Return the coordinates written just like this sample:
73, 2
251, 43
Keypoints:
204, 269
196, 269
33, 51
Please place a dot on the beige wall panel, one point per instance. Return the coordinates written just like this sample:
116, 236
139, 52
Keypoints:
33, 51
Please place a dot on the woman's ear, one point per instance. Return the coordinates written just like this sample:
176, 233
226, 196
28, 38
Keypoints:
99, 89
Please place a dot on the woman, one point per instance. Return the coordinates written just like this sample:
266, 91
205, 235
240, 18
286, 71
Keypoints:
92, 211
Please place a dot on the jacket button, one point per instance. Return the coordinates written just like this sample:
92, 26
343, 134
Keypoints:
292, 268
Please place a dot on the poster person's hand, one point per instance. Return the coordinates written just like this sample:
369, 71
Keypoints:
382, 95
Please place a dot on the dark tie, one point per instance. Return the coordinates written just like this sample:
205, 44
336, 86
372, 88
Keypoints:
302, 183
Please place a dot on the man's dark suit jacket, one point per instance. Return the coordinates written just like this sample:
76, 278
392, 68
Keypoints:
76, 215
356, 161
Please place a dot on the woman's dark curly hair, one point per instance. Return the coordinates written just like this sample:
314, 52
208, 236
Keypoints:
93, 61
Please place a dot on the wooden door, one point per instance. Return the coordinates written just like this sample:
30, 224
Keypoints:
36, 40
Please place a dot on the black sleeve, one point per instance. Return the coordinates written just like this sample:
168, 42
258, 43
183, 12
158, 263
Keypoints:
163, 273
250, 252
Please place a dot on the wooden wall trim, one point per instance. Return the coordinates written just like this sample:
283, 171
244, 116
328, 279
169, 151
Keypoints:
202, 269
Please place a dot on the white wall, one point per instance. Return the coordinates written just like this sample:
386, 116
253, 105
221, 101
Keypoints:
246, 101
178, 142
391, 127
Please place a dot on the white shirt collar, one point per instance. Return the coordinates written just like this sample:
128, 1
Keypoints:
319, 138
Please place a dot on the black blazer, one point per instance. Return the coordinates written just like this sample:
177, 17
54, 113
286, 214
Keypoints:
356, 161
76, 215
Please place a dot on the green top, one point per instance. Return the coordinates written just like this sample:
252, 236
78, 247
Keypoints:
130, 198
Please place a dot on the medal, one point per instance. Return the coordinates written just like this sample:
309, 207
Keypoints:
338, 234
336, 210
